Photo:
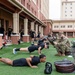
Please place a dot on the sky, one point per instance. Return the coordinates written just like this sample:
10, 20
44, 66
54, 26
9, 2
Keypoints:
55, 9
55, 6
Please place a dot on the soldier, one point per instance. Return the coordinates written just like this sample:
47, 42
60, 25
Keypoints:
57, 37
63, 45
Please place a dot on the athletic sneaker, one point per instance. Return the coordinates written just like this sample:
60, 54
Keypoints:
14, 52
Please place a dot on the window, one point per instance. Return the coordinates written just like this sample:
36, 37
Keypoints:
35, 12
65, 11
7, 24
65, 3
70, 7
71, 11
56, 26
70, 3
23, 2
63, 26
65, 7
69, 26
1, 22
28, 6
65, 15
32, 10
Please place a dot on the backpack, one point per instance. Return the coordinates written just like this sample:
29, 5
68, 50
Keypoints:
48, 68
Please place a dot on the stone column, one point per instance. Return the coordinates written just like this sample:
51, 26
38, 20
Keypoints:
36, 28
26, 36
25, 26
15, 23
40, 28
15, 37
42, 31
32, 25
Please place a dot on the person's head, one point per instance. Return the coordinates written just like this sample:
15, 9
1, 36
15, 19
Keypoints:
44, 40
62, 36
60, 33
46, 46
42, 58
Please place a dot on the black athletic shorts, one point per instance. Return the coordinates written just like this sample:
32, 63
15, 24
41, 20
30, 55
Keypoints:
32, 36
9, 34
20, 62
32, 48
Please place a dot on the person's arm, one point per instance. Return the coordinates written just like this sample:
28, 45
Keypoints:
63, 42
31, 56
39, 50
29, 62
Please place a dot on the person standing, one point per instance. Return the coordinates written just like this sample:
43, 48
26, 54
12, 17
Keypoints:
2, 30
21, 34
32, 35
9, 33
39, 35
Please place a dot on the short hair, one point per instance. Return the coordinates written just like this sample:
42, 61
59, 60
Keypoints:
47, 43
42, 56
44, 39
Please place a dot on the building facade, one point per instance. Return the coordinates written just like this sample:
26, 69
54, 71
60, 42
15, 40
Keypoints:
68, 9
45, 8
24, 14
67, 21
67, 26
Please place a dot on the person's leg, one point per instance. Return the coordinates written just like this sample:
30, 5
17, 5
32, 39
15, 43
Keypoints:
68, 51
63, 48
6, 61
8, 38
58, 50
24, 49
20, 49
32, 41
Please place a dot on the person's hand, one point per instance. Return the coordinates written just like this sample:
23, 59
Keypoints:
39, 53
34, 67
55, 43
